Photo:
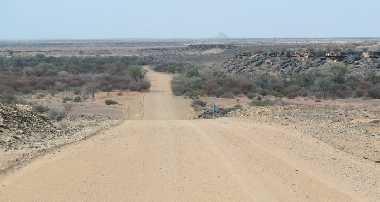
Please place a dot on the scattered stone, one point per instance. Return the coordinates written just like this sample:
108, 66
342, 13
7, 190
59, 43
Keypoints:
329, 124
296, 61
23, 127
214, 111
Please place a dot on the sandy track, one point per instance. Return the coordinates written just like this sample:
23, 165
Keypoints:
160, 155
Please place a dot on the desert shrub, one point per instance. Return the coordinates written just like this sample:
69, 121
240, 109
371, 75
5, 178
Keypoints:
292, 91
189, 86
139, 86
198, 102
228, 95
359, 93
9, 99
269, 82
373, 78
374, 91
40, 96
332, 81
77, 99
110, 102
203, 81
261, 103
67, 99
56, 114
328, 80
178, 86
77, 92
251, 95
145, 85
136, 72
53, 74
40, 108
171, 67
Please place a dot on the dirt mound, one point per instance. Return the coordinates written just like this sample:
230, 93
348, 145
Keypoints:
20, 127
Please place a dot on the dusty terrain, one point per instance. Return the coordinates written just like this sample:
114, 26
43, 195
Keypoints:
350, 125
28, 134
159, 154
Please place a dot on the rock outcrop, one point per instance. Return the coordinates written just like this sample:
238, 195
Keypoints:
295, 61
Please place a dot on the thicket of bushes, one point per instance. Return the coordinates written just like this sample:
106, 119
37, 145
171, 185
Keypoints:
333, 80
89, 74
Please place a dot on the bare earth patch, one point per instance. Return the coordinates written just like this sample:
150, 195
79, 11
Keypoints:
83, 120
351, 125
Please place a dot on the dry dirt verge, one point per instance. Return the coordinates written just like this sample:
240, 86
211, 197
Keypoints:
355, 131
15, 159
353, 128
26, 135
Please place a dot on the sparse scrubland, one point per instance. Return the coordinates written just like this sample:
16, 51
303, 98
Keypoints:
284, 110
334, 80
83, 75
311, 85
282, 73
56, 90
49, 101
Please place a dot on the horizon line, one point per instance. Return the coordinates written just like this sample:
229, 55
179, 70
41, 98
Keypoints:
178, 38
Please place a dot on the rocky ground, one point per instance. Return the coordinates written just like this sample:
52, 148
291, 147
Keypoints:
353, 130
25, 133
20, 127
352, 127
211, 111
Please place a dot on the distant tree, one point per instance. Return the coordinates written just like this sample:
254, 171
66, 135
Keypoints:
136, 72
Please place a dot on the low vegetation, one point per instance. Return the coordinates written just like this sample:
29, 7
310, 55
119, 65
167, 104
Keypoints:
261, 103
332, 80
178, 67
110, 102
84, 75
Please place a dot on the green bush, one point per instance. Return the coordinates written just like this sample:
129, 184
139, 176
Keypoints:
172, 69
189, 86
136, 72
67, 99
374, 91
77, 99
110, 102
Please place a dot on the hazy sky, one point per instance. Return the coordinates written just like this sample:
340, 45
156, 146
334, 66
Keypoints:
68, 19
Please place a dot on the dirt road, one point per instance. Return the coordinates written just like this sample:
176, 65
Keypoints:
161, 155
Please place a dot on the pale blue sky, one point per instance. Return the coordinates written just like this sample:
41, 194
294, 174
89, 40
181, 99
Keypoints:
80, 19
